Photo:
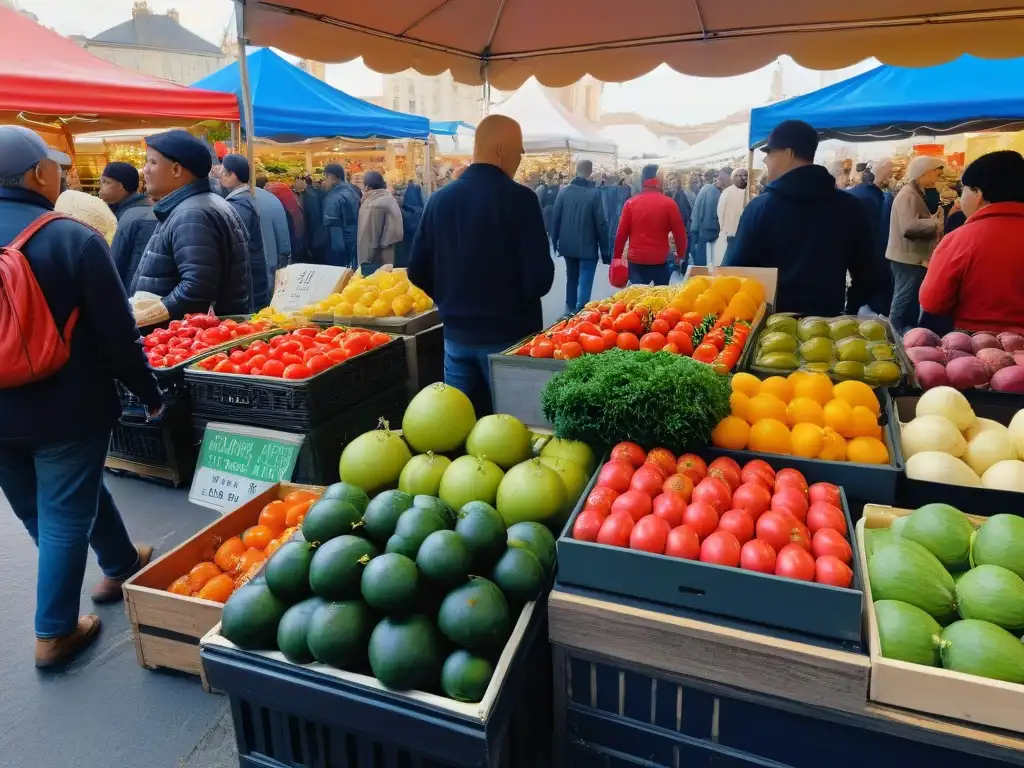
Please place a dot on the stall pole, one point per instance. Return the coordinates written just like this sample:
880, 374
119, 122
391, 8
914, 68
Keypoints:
750, 177
243, 71
428, 170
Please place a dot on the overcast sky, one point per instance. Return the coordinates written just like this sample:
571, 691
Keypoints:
662, 94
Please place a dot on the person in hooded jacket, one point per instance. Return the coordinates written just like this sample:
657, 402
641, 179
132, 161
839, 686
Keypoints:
613, 199
872, 192
809, 230
579, 234
341, 217
235, 182
647, 221
412, 212
119, 188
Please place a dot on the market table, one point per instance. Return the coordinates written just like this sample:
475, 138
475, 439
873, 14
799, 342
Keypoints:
637, 686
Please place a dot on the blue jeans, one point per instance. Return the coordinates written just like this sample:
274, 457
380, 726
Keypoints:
579, 282
57, 491
905, 312
466, 368
645, 274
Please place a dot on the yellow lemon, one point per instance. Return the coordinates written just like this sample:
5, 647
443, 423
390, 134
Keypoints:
803, 410
344, 309
753, 288
727, 285
422, 305
769, 436
731, 433
765, 406
699, 283
402, 305
839, 416
816, 386
360, 310
709, 303
739, 405
807, 440
746, 383
864, 423
834, 448
857, 393
867, 450
778, 386
380, 308
742, 307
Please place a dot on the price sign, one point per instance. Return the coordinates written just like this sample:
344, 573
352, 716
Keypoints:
237, 463
300, 284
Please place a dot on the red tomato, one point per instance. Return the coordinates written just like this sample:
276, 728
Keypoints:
273, 368
702, 518
828, 541
296, 371
713, 491
648, 479
289, 359
238, 356
795, 562
292, 346
337, 356
606, 323
824, 515
660, 326
615, 475
615, 530
684, 327
571, 350
781, 530
355, 345
789, 500
663, 459
693, 466
631, 453
601, 499
543, 348
757, 555
825, 492
680, 485
791, 477
833, 571
683, 341
627, 341
752, 498
160, 362
161, 349
618, 308
636, 504
318, 363
379, 340
705, 353
592, 343
670, 508
628, 322
693, 318
309, 330
225, 366
738, 523
334, 330
683, 542
672, 349
610, 338
259, 348
589, 329
720, 548
760, 472
652, 342
726, 470
588, 524
670, 316
650, 535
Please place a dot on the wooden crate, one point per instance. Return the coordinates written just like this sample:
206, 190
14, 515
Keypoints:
167, 627
976, 700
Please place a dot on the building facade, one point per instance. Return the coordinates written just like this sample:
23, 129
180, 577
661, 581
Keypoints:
436, 97
582, 98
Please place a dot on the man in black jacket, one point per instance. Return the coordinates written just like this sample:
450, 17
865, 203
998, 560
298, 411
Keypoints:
809, 230
235, 182
872, 192
119, 188
579, 231
341, 217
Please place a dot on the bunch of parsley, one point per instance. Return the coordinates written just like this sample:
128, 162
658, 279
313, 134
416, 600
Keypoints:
653, 399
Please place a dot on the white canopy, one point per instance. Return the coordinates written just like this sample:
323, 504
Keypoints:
634, 141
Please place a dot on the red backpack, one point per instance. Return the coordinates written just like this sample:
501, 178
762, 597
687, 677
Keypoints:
30, 345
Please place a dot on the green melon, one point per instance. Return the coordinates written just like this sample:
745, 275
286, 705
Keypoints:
1000, 541
983, 649
994, 594
908, 572
907, 633
944, 531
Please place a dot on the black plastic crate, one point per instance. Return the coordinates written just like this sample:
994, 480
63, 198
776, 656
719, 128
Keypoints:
172, 385
297, 405
430, 356
289, 716
164, 444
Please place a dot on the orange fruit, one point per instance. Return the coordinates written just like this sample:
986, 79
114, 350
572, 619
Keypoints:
245, 576
754, 288
228, 554
834, 448
766, 407
738, 403
180, 586
839, 416
202, 573
778, 386
816, 386
258, 537
272, 547
746, 384
297, 513
867, 450
296, 497
218, 589
864, 423
742, 306
803, 410
727, 285
250, 558
273, 516
731, 432
857, 393
709, 303
808, 440
770, 436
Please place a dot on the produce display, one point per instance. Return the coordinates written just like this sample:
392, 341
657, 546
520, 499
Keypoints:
382, 294
298, 354
196, 334
228, 565
946, 443
967, 361
844, 347
947, 595
804, 414
750, 517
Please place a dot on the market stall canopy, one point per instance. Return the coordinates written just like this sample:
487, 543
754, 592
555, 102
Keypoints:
449, 127
634, 141
547, 125
729, 143
289, 104
45, 77
968, 94
559, 41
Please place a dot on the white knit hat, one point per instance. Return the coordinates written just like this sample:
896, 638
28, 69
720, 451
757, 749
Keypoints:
921, 164
88, 210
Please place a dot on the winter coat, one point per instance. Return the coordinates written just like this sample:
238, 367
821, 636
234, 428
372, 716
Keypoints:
341, 220
242, 200
198, 256
647, 220
613, 198
135, 225
277, 240
877, 207
315, 234
704, 223
412, 212
813, 233
579, 229
912, 230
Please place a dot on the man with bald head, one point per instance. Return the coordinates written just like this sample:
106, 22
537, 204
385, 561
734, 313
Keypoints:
482, 254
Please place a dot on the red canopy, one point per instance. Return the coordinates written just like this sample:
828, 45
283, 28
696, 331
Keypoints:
50, 77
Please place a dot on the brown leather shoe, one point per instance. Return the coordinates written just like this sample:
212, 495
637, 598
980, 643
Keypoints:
58, 651
109, 590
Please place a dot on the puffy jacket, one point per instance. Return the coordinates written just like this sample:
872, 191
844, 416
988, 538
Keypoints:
613, 198
341, 220
241, 199
277, 238
877, 207
976, 275
198, 256
135, 225
579, 228
72, 265
646, 222
813, 233
704, 225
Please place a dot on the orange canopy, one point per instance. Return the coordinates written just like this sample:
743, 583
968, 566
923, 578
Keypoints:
559, 41
45, 77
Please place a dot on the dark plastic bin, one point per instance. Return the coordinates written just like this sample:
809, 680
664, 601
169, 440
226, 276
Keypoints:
263, 401
800, 606
289, 716
166, 443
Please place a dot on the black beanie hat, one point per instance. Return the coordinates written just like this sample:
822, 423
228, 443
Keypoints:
238, 165
123, 173
183, 148
998, 176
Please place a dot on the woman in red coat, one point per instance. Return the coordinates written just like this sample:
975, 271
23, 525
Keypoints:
976, 275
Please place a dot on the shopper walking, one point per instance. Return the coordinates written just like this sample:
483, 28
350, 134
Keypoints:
412, 212
275, 228
314, 235
873, 194
235, 182
482, 254
341, 217
647, 220
579, 234
730, 207
706, 227
55, 430
380, 224
613, 200
913, 234
119, 188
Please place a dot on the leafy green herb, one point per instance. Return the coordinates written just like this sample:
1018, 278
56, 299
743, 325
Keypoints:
654, 399
702, 330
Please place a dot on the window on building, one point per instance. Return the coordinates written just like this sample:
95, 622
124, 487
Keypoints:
396, 90
394, 104
412, 106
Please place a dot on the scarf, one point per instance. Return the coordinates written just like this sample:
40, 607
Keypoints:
380, 225
287, 197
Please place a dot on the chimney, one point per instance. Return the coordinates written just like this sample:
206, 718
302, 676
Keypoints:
172, 14
140, 8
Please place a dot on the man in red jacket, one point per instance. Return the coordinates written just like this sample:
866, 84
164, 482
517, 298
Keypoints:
647, 219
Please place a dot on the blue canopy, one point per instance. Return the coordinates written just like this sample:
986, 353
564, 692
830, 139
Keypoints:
289, 104
967, 94
448, 127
